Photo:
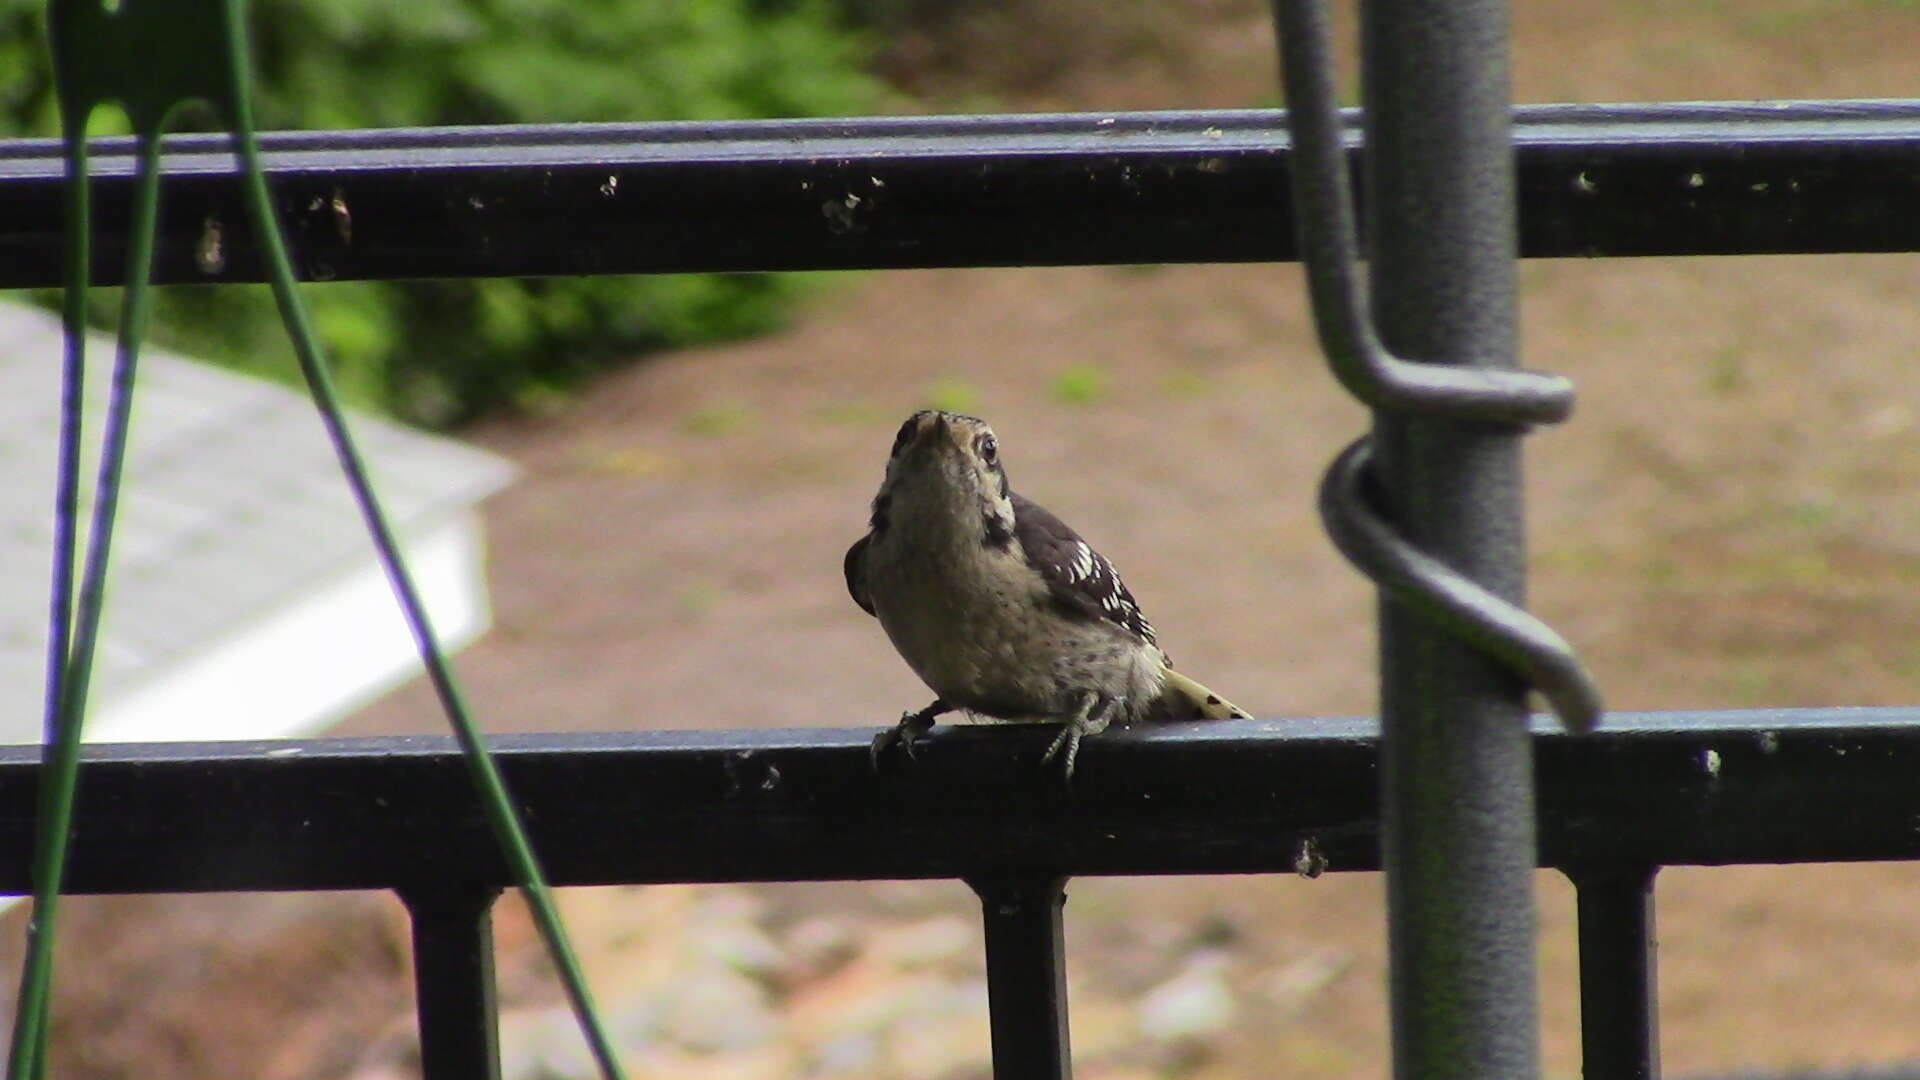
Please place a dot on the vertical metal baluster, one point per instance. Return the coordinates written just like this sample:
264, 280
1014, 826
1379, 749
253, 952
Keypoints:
1026, 976
453, 982
1619, 1002
1458, 814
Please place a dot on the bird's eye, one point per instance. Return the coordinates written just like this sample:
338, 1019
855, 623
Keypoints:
906, 432
989, 450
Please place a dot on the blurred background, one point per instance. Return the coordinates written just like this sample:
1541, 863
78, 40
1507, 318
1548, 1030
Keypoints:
1727, 521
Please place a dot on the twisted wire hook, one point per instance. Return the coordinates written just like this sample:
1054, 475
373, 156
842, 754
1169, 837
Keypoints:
1423, 583
1324, 222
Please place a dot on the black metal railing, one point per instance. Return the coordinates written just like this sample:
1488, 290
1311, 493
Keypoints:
1270, 796
1727, 178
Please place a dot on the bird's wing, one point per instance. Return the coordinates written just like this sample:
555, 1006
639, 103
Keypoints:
856, 568
1079, 579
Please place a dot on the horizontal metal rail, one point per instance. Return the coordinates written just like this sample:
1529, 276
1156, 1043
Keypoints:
906, 192
805, 804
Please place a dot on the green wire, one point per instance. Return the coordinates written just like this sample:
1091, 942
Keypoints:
31, 1002
67, 691
90, 44
501, 814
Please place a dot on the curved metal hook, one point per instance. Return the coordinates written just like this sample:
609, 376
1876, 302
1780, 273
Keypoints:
1527, 646
1324, 221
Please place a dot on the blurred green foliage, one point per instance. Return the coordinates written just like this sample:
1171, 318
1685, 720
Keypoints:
442, 352
1081, 384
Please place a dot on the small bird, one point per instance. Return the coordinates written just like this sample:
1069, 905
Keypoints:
999, 607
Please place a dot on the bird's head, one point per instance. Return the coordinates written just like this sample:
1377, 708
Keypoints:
947, 458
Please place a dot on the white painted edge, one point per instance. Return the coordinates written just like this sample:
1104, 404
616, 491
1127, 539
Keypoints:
309, 664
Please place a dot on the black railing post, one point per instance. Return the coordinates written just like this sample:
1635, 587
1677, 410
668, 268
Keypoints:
1026, 975
1457, 814
453, 981
1619, 1003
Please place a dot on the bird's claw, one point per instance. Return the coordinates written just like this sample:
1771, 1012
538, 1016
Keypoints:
906, 735
1069, 741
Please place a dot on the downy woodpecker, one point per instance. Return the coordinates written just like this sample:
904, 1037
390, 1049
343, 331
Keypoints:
998, 606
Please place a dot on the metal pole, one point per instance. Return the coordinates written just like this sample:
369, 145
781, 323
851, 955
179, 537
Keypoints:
1619, 999
454, 991
1457, 814
1026, 975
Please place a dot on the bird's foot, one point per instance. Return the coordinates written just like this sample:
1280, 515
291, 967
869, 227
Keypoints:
911, 728
1066, 747
1091, 718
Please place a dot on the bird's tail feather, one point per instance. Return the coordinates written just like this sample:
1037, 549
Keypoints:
1188, 700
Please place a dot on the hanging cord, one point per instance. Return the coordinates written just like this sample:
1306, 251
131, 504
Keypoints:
72, 636
200, 55
501, 814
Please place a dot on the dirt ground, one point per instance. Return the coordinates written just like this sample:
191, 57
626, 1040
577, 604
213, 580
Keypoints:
1727, 521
